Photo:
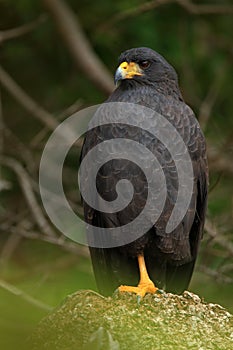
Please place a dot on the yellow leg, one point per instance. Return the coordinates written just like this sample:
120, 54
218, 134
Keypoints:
145, 284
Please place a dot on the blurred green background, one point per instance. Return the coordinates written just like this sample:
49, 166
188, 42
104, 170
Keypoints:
38, 270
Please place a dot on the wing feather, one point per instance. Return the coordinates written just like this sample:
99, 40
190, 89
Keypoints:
170, 258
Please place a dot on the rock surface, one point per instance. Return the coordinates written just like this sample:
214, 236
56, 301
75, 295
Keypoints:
86, 320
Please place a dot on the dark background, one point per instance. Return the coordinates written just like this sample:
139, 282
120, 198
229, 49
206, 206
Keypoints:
51, 69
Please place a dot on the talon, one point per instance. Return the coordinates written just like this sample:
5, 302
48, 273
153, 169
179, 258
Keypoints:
115, 292
145, 285
160, 291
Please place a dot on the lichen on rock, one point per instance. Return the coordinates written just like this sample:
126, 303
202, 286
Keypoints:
87, 320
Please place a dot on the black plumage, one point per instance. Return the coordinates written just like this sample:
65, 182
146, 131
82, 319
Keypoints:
169, 258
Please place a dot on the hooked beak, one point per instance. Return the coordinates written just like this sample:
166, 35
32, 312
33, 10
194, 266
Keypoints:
127, 71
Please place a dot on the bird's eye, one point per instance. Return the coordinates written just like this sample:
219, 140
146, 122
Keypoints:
144, 64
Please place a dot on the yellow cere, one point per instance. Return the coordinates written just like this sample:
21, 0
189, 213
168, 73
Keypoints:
129, 70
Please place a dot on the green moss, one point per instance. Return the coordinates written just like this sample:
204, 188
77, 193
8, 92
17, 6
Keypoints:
163, 322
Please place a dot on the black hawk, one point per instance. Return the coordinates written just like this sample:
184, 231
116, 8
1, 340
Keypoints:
157, 259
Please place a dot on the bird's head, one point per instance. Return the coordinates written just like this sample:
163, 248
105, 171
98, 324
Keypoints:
144, 65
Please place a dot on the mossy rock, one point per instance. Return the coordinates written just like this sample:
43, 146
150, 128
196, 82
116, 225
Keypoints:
88, 321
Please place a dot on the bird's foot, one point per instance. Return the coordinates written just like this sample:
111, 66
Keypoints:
141, 290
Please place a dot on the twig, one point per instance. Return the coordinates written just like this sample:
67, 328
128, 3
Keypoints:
9, 247
18, 292
228, 143
226, 268
133, 12
210, 99
33, 107
1, 124
204, 9
14, 144
26, 186
10, 220
219, 162
215, 274
1, 138
26, 101
78, 45
22, 30
74, 107
215, 183
212, 231
195, 9
59, 241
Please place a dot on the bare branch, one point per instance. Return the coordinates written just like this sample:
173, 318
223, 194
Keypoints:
17, 147
212, 231
31, 106
204, 9
222, 164
195, 9
1, 125
59, 241
226, 268
18, 292
219, 162
218, 275
133, 12
4, 184
211, 97
1, 138
9, 247
10, 220
22, 30
228, 143
208, 104
26, 101
78, 45
73, 108
26, 186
